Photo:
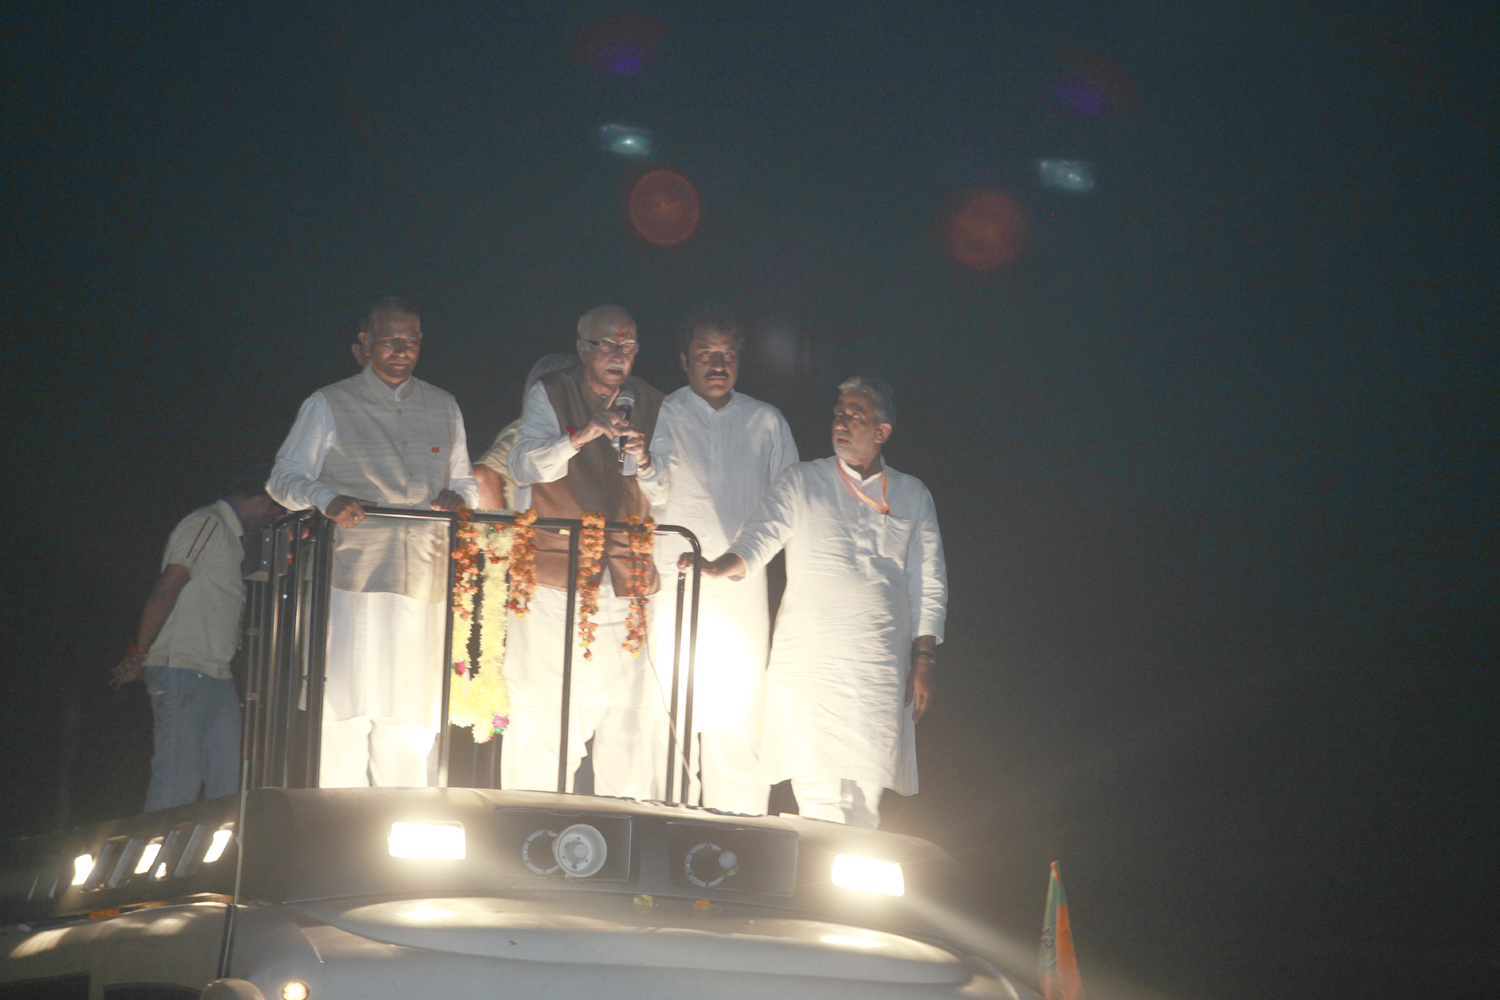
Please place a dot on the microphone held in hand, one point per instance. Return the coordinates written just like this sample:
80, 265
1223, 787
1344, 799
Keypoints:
624, 404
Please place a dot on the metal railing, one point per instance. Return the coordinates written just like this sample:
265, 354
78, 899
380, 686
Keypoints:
287, 647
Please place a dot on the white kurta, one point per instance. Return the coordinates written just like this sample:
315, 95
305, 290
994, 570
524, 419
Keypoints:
860, 586
384, 648
615, 699
721, 462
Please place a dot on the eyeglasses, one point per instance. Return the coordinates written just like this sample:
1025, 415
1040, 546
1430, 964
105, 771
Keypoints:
397, 344
625, 350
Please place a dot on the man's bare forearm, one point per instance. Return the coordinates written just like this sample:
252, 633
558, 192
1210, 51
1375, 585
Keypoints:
158, 608
730, 564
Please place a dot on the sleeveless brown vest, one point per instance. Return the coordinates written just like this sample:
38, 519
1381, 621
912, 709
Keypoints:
594, 483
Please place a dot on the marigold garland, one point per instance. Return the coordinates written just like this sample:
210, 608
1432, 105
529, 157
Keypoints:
523, 563
642, 542
466, 553
478, 697
590, 571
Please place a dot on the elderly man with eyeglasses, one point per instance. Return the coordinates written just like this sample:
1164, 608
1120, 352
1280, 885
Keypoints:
582, 449
381, 438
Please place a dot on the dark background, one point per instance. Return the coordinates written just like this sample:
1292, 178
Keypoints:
1215, 458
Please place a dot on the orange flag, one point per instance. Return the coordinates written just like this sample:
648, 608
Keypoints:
1057, 966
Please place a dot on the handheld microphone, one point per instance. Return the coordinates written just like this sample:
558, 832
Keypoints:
624, 404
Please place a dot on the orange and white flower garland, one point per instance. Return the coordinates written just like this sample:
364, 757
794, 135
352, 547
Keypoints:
590, 572
479, 698
642, 542
523, 563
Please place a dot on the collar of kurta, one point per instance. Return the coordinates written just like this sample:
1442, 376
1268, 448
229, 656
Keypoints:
705, 405
849, 470
374, 381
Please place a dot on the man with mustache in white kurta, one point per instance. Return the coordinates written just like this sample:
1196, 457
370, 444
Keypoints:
723, 450
854, 656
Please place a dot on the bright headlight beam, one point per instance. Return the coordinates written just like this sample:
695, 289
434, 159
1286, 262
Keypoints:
148, 857
443, 841
216, 846
868, 875
423, 912
82, 865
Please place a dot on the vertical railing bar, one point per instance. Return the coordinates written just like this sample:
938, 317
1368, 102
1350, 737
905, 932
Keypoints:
319, 614
266, 734
687, 714
292, 682
672, 702
447, 664
248, 721
567, 677
247, 642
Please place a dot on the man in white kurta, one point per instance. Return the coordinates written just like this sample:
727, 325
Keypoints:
854, 655
564, 454
382, 437
723, 450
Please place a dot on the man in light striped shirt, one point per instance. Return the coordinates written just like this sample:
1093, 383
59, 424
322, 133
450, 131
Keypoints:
188, 633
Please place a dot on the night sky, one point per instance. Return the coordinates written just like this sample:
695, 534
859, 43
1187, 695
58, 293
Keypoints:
1214, 455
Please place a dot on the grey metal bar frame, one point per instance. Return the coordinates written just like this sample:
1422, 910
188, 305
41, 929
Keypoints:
293, 631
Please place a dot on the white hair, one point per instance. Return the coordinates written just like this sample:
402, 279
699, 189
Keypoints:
881, 397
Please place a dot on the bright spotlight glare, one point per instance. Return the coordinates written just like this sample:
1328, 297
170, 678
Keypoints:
216, 846
82, 865
295, 991
427, 840
1067, 175
868, 875
148, 857
625, 140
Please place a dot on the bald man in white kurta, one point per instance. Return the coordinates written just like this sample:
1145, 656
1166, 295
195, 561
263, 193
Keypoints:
398, 446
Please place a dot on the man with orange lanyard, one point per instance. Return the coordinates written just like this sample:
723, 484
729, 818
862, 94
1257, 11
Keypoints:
854, 655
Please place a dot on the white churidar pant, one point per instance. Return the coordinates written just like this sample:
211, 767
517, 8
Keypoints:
615, 702
839, 800
728, 686
383, 689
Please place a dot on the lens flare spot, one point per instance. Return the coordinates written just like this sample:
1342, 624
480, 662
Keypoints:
1092, 85
984, 230
664, 208
620, 46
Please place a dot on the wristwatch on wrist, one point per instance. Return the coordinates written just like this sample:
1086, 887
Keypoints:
926, 654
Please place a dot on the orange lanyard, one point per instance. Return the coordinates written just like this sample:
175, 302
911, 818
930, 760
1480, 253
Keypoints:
881, 507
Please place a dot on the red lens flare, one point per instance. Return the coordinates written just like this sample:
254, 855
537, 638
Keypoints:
984, 230
664, 208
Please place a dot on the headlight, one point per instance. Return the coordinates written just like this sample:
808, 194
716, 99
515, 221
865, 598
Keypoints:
216, 846
427, 840
868, 875
148, 857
